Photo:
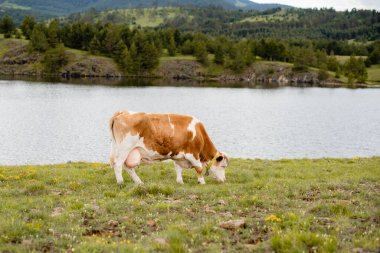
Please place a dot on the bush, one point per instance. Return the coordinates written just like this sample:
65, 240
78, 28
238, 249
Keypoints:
55, 59
323, 74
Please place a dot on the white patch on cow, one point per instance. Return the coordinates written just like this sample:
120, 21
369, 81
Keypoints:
218, 173
170, 123
195, 162
191, 126
132, 112
201, 180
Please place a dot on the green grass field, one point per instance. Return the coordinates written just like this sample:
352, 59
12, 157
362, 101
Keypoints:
323, 205
144, 17
7, 44
374, 74
166, 58
282, 15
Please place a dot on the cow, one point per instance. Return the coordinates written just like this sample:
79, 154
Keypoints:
145, 137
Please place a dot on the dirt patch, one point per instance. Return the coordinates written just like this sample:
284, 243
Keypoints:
19, 61
92, 67
111, 228
179, 69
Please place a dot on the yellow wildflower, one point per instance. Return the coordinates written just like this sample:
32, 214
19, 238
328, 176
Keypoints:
272, 217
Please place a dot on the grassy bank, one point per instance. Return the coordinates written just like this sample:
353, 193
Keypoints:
322, 205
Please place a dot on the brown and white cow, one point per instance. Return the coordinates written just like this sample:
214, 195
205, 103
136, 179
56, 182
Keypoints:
145, 137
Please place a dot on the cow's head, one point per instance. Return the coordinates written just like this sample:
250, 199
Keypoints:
217, 169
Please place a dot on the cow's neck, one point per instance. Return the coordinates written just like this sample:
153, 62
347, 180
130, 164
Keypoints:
209, 150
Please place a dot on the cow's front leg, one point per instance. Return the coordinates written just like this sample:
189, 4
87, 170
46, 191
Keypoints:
201, 179
178, 169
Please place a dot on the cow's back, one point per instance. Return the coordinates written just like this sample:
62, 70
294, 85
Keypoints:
162, 133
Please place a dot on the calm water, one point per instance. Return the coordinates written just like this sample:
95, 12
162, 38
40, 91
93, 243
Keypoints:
44, 123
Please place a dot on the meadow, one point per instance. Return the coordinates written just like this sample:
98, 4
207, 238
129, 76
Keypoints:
305, 205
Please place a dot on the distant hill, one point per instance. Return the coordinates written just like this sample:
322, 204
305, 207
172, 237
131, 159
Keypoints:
280, 23
52, 8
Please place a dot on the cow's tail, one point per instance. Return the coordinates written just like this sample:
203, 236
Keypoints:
111, 124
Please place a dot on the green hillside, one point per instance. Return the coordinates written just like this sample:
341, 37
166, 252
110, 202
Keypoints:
53, 8
279, 23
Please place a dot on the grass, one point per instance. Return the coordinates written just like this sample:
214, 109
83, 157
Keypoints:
343, 58
374, 74
282, 15
323, 205
8, 43
176, 57
144, 17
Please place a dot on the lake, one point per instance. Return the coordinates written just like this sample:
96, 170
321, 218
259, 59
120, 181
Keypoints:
43, 123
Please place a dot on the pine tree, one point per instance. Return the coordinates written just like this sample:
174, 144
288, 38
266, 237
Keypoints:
118, 52
219, 54
7, 26
52, 33
55, 59
38, 40
27, 26
95, 46
200, 52
172, 47
149, 56
132, 60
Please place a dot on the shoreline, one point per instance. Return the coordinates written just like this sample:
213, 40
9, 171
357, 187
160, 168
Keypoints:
355, 158
18, 63
146, 81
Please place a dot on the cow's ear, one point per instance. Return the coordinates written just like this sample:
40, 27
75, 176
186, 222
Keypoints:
219, 158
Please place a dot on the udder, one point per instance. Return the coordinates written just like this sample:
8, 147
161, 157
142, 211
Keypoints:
133, 158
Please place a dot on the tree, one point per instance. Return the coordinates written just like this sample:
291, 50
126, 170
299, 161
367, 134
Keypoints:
354, 68
219, 54
38, 40
332, 63
95, 46
52, 33
55, 59
118, 52
149, 56
132, 60
241, 56
111, 40
27, 26
172, 47
7, 26
374, 57
200, 51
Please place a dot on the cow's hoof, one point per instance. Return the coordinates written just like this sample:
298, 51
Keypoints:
139, 183
121, 185
179, 181
201, 181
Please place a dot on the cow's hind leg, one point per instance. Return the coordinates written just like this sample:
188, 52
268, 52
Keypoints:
118, 168
133, 160
178, 169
